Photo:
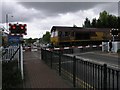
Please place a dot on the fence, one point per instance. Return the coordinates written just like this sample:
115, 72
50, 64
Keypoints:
82, 74
13, 53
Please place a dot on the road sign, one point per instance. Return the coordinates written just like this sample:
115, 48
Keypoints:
14, 40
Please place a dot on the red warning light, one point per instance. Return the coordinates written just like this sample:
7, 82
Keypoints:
14, 27
22, 27
18, 29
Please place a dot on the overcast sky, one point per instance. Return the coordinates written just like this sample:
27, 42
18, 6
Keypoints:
41, 16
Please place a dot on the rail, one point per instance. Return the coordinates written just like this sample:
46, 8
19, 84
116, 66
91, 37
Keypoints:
81, 73
13, 53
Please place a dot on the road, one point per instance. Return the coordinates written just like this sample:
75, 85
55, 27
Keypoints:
110, 60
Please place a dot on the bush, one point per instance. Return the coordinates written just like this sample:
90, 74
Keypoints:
11, 75
118, 51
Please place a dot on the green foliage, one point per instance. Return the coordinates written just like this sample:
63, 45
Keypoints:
46, 37
118, 51
105, 20
94, 22
118, 24
87, 23
30, 41
11, 76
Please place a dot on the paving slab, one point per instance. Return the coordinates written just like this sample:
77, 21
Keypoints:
39, 75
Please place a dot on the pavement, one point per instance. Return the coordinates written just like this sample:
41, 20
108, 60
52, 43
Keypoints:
38, 75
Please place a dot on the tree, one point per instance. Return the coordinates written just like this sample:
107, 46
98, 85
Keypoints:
99, 23
110, 23
118, 24
87, 23
74, 25
30, 41
94, 23
104, 18
46, 37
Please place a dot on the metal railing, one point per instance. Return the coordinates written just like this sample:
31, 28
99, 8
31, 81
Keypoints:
13, 53
10, 53
81, 73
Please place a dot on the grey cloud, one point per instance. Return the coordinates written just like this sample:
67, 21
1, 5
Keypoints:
54, 8
60, 7
19, 14
111, 8
119, 8
48, 9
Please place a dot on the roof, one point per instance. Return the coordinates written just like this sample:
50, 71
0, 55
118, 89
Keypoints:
66, 28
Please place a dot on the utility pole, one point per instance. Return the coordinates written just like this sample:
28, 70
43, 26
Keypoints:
7, 21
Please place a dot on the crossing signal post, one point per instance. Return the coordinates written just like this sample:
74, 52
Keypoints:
16, 32
17, 29
114, 33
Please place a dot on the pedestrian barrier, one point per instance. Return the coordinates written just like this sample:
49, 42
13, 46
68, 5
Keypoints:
8, 53
13, 53
81, 73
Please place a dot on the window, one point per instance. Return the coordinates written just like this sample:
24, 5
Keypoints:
60, 33
52, 34
72, 34
66, 33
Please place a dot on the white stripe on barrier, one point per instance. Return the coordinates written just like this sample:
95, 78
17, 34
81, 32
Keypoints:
87, 46
73, 47
66, 47
100, 45
47, 49
80, 47
94, 46
56, 48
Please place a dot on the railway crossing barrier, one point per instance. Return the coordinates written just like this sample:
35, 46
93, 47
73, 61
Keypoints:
77, 49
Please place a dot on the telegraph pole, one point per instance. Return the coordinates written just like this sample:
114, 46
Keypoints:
7, 21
